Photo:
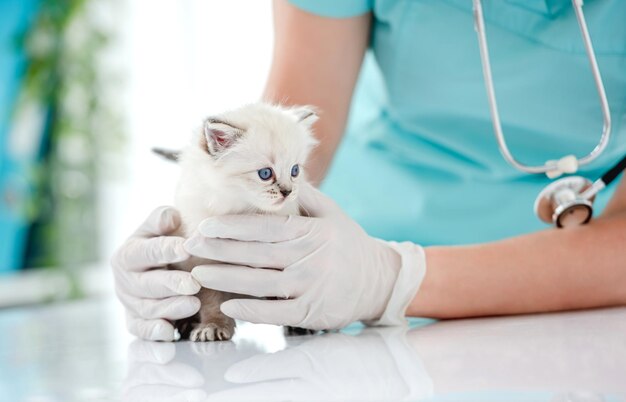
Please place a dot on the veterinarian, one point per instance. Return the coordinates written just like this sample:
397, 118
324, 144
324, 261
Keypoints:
419, 164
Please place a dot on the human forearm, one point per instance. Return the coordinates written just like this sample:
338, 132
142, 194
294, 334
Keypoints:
316, 61
551, 270
328, 131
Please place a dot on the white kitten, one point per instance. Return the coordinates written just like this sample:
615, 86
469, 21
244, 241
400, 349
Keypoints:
245, 161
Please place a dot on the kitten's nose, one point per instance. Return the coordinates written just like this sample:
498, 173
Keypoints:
285, 191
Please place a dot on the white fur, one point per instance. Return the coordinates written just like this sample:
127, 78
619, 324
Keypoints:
228, 183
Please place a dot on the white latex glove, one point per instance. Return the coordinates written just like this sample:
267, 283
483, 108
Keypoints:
153, 296
329, 269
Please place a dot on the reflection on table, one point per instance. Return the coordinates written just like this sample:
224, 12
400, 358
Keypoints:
81, 351
569, 357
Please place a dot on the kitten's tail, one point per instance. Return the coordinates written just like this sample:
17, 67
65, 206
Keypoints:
168, 154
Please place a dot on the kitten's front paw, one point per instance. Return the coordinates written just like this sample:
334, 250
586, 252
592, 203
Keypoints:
211, 332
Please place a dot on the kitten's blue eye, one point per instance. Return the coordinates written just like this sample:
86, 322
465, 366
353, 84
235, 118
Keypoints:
295, 170
266, 173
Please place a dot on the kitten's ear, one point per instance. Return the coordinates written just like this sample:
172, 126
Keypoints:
306, 115
220, 135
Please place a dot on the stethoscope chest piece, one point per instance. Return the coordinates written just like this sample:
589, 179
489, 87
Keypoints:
561, 203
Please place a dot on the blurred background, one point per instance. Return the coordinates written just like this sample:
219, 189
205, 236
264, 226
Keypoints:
87, 87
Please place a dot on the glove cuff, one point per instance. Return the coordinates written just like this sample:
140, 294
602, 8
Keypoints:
410, 277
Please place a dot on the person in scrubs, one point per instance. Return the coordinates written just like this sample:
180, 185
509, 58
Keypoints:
428, 219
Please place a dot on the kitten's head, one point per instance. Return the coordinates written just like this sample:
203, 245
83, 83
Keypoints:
260, 150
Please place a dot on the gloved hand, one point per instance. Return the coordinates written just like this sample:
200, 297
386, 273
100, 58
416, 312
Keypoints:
329, 270
153, 296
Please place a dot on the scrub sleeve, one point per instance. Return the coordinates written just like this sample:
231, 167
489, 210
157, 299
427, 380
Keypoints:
334, 8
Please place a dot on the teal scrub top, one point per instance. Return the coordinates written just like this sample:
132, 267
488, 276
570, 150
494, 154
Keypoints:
420, 161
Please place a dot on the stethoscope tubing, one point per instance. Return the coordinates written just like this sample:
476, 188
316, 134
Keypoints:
479, 25
605, 180
612, 174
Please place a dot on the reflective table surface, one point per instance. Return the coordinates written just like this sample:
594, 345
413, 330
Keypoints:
80, 351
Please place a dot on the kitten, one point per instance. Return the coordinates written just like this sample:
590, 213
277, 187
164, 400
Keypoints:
245, 161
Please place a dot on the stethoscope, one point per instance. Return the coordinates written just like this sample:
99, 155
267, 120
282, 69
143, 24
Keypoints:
567, 201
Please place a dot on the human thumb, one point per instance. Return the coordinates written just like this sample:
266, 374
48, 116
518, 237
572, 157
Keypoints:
314, 203
162, 221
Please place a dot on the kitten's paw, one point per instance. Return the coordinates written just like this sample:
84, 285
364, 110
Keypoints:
211, 332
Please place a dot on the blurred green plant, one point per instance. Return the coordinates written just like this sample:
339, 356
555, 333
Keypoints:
67, 78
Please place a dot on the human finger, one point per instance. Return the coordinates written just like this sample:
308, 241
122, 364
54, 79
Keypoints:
314, 203
261, 228
151, 330
249, 253
171, 308
162, 221
139, 253
159, 283
274, 312
246, 281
